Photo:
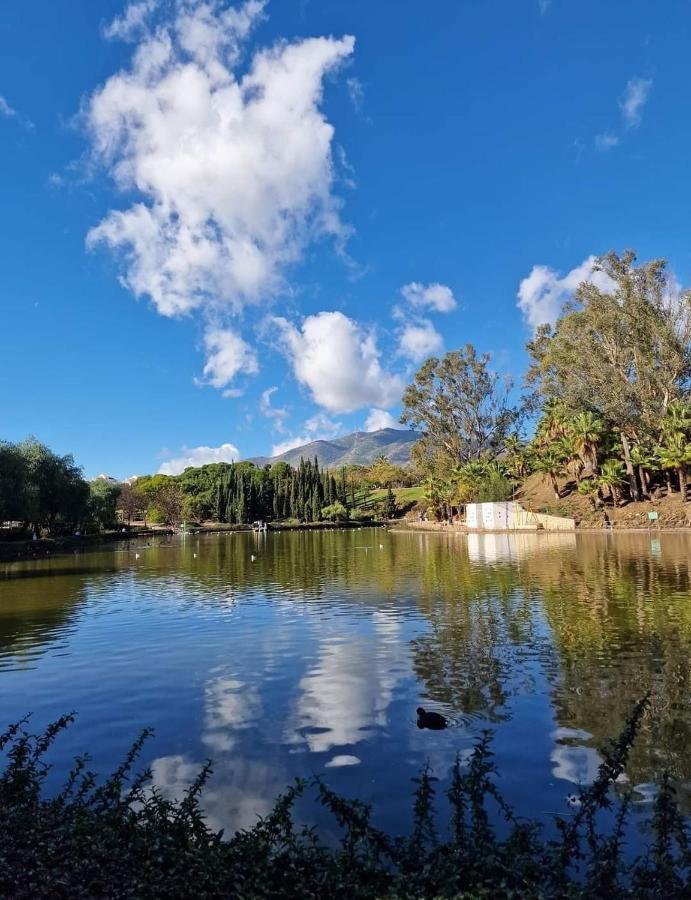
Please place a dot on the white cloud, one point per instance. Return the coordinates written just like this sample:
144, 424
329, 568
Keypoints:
542, 294
544, 5
132, 23
437, 297
380, 418
634, 99
232, 172
606, 141
318, 428
277, 413
227, 356
419, 340
199, 456
339, 362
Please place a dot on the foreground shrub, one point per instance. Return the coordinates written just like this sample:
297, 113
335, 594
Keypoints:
123, 839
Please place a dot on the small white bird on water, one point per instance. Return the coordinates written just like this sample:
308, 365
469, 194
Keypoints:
253, 557
136, 556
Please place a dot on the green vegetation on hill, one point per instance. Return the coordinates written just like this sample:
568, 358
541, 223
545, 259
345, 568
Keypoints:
609, 384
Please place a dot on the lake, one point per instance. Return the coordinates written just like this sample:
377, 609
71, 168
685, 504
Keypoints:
294, 653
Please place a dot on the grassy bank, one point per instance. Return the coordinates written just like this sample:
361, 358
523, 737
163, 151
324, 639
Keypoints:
120, 838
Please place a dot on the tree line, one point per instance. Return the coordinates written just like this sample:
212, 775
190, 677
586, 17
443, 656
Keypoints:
242, 493
40, 489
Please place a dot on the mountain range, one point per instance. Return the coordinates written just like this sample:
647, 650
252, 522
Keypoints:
360, 448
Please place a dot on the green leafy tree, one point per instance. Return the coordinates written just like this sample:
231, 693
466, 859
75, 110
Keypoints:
103, 498
13, 483
56, 493
336, 512
460, 406
621, 351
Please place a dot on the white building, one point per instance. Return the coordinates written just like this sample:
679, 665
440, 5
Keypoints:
508, 515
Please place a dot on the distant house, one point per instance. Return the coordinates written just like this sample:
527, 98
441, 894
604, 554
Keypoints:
510, 516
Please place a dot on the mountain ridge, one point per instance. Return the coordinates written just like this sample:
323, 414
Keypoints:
358, 448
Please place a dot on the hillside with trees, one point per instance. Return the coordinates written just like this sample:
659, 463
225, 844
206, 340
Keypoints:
606, 405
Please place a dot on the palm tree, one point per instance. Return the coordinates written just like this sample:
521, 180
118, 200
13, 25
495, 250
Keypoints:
550, 462
675, 453
516, 457
589, 488
568, 448
643, 460
587, 431
436, 493
553, 422
612, 477
677, 418
465, 477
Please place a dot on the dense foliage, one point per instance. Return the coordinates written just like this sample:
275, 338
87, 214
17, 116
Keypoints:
122, 838
609, 382
41, 490
241, 493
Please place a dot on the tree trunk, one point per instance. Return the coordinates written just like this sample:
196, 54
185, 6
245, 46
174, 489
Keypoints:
555, 485
645, 481
682, 482
668, 479
633, 486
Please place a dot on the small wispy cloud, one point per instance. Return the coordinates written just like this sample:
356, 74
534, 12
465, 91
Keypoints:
606, 141
9, 112
631, 104
356, 92
634, 99
277, 414
543, 6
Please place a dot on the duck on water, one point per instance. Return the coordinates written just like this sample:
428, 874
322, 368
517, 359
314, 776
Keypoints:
432, 720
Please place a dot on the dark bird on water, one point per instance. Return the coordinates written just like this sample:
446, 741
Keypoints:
432, 720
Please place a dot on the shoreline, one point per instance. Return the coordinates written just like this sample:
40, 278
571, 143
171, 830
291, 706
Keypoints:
11, 551
22, 549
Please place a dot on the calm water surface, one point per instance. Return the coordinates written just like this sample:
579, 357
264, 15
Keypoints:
314, 656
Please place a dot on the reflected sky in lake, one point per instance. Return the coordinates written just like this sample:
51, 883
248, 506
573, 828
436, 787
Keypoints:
312, 658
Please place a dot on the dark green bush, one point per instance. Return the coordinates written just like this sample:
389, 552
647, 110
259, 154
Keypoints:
123, 839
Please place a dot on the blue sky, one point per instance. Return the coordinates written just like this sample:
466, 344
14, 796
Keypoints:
231, 228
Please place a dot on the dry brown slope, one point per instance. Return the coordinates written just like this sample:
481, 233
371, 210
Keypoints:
536, 494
